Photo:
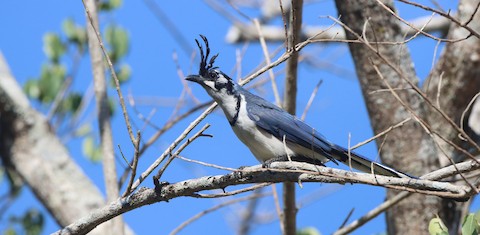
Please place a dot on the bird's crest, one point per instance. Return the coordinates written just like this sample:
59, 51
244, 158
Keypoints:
204, 66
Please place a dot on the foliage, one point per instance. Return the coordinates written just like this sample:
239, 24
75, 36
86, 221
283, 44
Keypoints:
53, 91
53, 83
308, 231
30, 223
470, 225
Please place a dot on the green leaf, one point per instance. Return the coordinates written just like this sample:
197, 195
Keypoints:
69, 28
31, 89
10, 231
51, 80
71, 103
308, 231
15, 182
109, 5
75, 33
33, 222
83, 130
112, 105
53, 47
91, 150
118, 40
437, 227
470, 225
477, 216
124, 73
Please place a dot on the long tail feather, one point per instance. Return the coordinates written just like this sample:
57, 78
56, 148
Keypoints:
364, 164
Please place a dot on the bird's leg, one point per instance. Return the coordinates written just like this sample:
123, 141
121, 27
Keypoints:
267, 163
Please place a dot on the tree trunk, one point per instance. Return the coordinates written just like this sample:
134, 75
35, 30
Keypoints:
408, 148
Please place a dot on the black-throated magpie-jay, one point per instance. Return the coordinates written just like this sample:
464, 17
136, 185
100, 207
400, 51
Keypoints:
271, 133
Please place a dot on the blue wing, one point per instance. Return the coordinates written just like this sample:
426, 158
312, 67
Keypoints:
279, 123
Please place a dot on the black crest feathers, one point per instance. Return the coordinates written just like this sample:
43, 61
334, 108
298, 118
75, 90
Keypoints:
204, 67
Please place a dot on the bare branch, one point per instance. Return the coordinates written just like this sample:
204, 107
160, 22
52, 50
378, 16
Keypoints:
219, 206
180, 149
279, 172
133, 167
240, 32
449, 16
267, 59
112, 73
310, 100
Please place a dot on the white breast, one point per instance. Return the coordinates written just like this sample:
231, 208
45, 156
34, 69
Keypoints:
262, 144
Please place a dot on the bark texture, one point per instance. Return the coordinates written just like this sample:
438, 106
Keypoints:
289, 219
407, 148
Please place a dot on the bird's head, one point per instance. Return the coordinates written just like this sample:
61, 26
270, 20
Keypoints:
217, 84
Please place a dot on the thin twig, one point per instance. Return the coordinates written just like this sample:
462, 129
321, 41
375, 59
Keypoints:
276, 200
146, 120
439, 89
247, 216
199, 215
310, 100
413, 86
448, 16
116, 226
418, 31
382, 133
181, 148
208, 164
347, 218
267, 59
65, 85
181, 77
372, 214
387, 90
160, 132
418, 119
231, 193
133, 166
169, 25
113, 74
462, 118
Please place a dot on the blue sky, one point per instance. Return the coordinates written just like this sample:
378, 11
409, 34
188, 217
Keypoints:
338, 109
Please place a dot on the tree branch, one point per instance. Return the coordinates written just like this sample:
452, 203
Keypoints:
289, 215
279, 172
104, 117
239, 33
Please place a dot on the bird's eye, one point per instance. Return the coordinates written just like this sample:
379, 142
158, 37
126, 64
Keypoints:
213, 74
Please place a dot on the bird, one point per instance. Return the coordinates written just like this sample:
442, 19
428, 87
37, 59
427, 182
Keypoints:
271, 133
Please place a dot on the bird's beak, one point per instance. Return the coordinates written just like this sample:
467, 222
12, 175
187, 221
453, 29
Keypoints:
194, 78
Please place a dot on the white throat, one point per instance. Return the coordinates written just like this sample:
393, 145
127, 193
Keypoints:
229, 103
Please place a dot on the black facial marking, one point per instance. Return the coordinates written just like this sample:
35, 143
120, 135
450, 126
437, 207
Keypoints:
237, 110
228, 84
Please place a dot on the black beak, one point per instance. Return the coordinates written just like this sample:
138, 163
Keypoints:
194, 78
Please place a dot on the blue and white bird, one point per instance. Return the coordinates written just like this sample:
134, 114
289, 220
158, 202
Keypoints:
271, 133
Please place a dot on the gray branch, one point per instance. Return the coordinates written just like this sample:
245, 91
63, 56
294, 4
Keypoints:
240, 32
279, 172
